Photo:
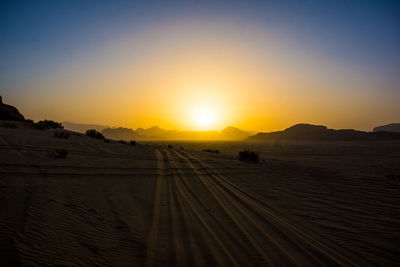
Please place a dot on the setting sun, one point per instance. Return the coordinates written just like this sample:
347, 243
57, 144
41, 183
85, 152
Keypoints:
204, 117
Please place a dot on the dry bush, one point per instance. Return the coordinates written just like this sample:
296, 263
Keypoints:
48, 124
94, 134
248, 155
211, 151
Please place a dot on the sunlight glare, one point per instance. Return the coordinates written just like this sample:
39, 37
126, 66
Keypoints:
204, 117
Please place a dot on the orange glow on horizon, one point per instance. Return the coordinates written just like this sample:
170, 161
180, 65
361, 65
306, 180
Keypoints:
208, 79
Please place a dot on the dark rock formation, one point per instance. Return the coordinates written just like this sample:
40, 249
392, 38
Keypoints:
10, 113
82, 128
393, 127
308, 132
232, 133
154, 132
122, 133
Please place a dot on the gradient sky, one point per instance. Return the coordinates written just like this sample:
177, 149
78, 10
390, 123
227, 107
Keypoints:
259, 65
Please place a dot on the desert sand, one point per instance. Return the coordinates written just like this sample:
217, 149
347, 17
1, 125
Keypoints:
112, 204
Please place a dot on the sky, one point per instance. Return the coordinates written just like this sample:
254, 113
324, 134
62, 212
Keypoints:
202, 65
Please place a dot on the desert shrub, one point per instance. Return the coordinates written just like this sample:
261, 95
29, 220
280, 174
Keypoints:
248, 155
61, 153
132, 142
29, 121
211, 150
122, 142
61, 134
48, 124
169, 146
10, 125
182, 148
94, 134
106, 140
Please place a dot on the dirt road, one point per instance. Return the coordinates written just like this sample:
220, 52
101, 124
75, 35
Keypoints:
200, 218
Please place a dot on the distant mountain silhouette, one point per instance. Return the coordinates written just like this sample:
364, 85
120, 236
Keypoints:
232, 133
393, 127
309, 132
153, 132
81, 127
122, 134
8, 112
157, 133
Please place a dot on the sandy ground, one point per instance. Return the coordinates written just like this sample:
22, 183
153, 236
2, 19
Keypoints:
110, 204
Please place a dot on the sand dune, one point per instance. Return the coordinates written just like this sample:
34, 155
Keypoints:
110, 204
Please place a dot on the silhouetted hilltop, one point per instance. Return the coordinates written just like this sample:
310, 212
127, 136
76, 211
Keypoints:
82, 128
122, 134
8, 112
232, 133
157, 133
153, 132
393, 127
309, 132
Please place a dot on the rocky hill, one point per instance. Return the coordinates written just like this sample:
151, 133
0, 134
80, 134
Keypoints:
393, 127
82, 127
157, 133
8, 112
309, 132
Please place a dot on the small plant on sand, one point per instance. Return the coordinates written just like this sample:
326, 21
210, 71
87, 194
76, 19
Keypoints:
132, 142
94, 134
169, 146
248, 155
48, 124
61, 153
61, 134
211, 150
122, 142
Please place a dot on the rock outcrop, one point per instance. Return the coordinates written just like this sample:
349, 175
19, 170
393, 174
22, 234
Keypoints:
393, 127
8, 112
232, 133
309, 132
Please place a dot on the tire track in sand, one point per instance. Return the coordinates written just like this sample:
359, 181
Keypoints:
240, 230
157, 242
179, 235
209, 239
269, 232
